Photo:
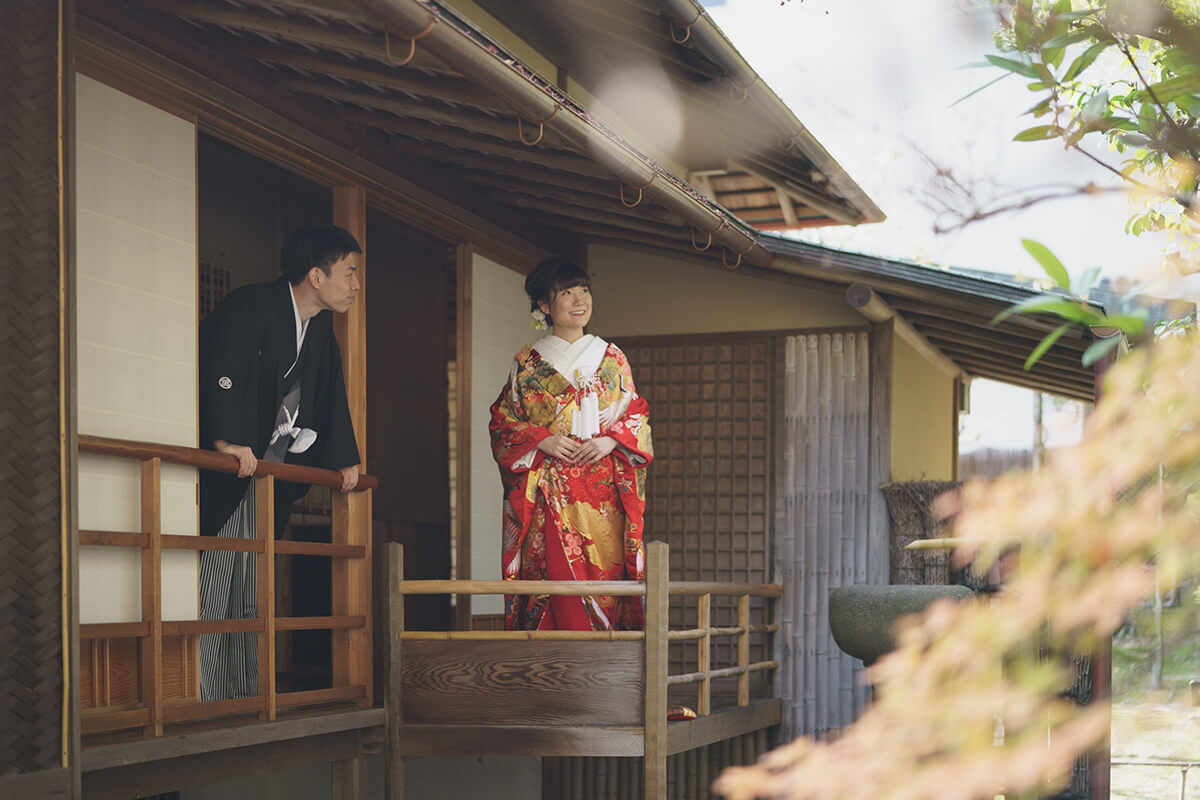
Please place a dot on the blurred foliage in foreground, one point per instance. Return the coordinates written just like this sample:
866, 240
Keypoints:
966, 708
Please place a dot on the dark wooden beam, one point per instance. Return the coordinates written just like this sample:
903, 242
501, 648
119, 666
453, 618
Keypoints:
965, 309
457, 128
587, 207
922, 314
643, 233
1051, 372
481, 158
201, 769
231, 100
294, 29
443, 87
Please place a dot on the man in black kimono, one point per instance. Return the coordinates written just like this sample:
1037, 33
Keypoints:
271, 388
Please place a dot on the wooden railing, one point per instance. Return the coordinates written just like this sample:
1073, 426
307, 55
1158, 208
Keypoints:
656, 593
579, 672
350, 550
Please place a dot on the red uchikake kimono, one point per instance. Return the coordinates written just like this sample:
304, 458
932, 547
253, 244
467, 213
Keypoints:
571, 521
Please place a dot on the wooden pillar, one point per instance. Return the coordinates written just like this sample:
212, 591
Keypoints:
462, 442
264, 499
1100, 764
393, 609
349, 777
879, 470
151, 646
657, 601
352, 512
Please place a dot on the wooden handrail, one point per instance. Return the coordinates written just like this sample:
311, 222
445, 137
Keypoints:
217, 462
566, 588
583, 588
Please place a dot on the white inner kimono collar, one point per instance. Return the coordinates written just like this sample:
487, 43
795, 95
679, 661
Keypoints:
576, 360
301, 329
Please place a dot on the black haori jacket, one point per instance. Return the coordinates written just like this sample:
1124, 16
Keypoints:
247, 344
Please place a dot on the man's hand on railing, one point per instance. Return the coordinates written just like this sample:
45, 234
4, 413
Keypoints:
247, 462
349, 478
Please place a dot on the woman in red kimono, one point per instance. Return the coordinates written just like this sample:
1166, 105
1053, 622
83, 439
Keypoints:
572, 438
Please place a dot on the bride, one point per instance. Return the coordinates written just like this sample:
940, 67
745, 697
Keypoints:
572, 439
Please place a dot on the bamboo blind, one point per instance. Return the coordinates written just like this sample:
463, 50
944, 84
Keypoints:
708, 488
823, 498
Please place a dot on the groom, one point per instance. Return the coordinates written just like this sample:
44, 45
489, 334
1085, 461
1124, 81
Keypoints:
271, 388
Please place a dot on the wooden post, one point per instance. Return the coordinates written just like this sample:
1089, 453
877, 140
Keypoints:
264, 499
349, 777
703, 649
352, 512
743, 650
462, 478
879, 470
1100, 761
393, 609
152, 646
657, 600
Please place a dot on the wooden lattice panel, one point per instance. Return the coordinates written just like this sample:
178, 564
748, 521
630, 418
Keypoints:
708, 491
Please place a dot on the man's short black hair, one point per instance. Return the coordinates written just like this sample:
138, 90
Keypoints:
315, 246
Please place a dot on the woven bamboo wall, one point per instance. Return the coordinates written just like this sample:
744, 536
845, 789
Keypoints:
31, 498
709, 487
822, 541
690, 774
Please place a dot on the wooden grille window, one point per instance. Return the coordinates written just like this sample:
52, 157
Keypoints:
709, 486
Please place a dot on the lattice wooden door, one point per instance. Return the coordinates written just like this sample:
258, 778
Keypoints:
709, 487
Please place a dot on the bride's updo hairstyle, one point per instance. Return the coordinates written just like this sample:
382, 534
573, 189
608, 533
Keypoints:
551, 277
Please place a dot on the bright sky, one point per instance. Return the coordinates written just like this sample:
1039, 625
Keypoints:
874, 80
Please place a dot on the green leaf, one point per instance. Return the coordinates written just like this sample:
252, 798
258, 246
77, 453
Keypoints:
1037, 133
1049, 261
1051, 304
1019, 67
1077, 35
1085, 282
1045, 344
1172, 88
980, 89
1094, 108
1081, 14
1084, 60
1099, 349
1042, 108
1132, 324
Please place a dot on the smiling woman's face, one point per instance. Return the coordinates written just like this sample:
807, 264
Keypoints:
570, 309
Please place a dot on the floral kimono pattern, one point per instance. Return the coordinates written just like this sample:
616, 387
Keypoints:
567, 521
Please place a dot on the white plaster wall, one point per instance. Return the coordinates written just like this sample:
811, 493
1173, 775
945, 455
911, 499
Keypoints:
500, 326
136, 336
637, 294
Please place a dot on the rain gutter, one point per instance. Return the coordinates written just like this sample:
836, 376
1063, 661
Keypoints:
538, 103
694, 24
